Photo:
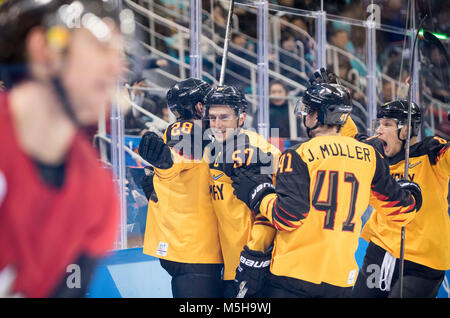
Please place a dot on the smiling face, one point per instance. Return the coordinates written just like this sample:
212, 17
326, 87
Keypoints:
224, 122
388, 135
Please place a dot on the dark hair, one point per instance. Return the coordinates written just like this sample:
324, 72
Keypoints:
279, 82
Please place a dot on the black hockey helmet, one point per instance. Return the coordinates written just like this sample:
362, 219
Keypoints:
226, 95
332, 102
58, 18
398, 110
183, 96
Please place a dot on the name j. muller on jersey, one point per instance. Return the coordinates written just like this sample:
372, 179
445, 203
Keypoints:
339, 150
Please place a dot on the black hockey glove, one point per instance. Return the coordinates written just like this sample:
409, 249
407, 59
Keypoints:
324, 76
153, 149
414, 189
251, 187
147, 182
254, 268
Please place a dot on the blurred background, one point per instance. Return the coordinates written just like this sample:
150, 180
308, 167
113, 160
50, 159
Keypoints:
373, 60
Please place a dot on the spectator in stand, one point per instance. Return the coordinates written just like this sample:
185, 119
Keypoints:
339, 36
439, 88
239, 73
219, 18
290, 59
308, 52
279, 109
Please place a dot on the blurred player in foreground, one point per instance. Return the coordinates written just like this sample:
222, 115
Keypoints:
60, 61
181, 227
322, 188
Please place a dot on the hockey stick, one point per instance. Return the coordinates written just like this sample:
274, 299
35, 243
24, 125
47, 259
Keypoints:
226, 42
408, 139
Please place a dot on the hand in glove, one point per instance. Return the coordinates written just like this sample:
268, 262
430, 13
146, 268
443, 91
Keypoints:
253, 269
147, 182
414, 189
251, 187
153, 149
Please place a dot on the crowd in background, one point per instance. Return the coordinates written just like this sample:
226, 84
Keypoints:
295, 58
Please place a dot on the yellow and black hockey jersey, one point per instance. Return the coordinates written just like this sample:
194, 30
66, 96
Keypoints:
237, 224
427, 237
181, 225
323, 186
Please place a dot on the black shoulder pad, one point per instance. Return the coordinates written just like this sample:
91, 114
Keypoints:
186, 138
435, 147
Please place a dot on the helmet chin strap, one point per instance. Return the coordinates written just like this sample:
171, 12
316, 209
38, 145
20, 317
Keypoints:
64, 100
309, 130
402, 140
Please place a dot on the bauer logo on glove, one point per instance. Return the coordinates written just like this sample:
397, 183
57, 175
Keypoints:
260, 188
255, 264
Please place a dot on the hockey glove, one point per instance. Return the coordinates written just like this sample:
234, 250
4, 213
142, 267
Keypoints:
414, 189
254, 268
251, 187
147, 182
324, 76
153, 149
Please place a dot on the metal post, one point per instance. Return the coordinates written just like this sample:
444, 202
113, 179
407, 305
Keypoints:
118, 161
321, 39
371, 75
276, 35
195, 57
263, 68
415, 97
118, 167
181, 56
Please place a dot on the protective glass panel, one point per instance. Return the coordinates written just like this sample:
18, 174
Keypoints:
372, 59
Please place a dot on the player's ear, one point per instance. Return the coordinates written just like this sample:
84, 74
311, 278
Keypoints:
199, 108
241, 119
403, 132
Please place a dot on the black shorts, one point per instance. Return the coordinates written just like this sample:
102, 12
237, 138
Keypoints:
194, 280
288, 287
418, 280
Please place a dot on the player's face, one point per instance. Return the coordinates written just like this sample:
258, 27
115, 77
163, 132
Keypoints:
388, 135
91, 71
223, 122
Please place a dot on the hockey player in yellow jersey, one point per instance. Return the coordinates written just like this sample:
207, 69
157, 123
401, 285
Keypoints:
225, 109
181, 228
323, 186
427, 237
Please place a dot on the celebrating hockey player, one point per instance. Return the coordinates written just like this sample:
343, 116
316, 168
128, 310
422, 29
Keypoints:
58, 207
181, 227
322, 188
239, 230
427, 237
